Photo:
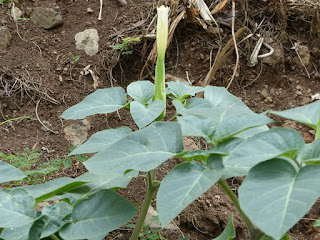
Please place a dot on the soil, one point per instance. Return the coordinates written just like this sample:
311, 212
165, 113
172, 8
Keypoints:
39, 77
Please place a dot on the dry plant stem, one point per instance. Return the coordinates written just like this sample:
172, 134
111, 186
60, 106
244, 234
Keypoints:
152, 188
100, 12
234, 43
225, 52
255, 234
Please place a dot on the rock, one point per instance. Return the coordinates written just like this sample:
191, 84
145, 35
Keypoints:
47, 18
77, 133
89, 10
298, 87
88, 41
305, 58
276, 60
155, 224
5, 37
268, 100
16, 13
264, 93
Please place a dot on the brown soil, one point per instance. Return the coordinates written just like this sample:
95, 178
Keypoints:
39, 79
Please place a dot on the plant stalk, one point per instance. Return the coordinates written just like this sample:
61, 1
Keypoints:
54, 237
318, 129
152, 188
255, 234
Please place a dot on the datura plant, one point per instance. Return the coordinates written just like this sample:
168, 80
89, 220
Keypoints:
282, 172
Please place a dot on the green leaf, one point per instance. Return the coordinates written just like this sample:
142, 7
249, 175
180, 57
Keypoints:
101, 140
310, 154
263, 146
316, 223
16, 208
219, 97
308, 114
101, 101
16, 233
185, 183
229, 232
143, 115
275, 196
227, 146
9, 173
51, 221
97, 182
98, 214
182, 90
197, 126
194, 106
201, 155
51, 188
141, 91
142, 150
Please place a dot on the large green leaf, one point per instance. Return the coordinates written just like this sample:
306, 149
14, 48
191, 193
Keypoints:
16, 233
261, 147
97, 182
141, 91
194, 106
310, 154
101, 101
185, 183
9, 173
229, 232
51, 188
219, 97
142, 150
197, 126
275, 196
143, 115
52, 219
16, 208
308, 114
101, 140
181, 90
97, 215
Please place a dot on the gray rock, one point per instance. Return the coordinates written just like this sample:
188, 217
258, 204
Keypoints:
277, 58
77, 133
47, 18
5, 37
88, 41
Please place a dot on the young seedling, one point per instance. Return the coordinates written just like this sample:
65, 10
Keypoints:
126, 46
281, 171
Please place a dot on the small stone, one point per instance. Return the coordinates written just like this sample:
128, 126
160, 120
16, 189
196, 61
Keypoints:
298, 87
312, 132
299, 93
16, 13
305, 56
268, 100
47, 18
201, 56
264, 93
88, 41
277, 58
77, 133
89, 10
5, 37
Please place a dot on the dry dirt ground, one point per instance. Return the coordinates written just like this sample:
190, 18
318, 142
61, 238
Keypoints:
40, 77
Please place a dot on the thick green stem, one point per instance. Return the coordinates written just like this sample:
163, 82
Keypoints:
255, 233
152, 188
160, 87
54, 237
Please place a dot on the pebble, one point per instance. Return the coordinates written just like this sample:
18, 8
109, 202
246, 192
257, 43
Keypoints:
89, 10
298, 87
268, 100
264, 93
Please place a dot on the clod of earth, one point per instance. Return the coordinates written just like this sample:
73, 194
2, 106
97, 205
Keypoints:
88, 41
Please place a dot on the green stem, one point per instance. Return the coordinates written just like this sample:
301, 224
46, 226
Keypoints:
174, 117
15, 119
152, 188
254, 232
54, 237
